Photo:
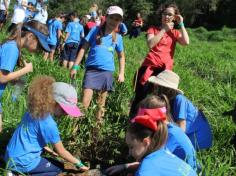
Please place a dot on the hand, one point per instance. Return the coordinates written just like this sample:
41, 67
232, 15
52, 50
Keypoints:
54, 153
81, 167
28, 66
73, 73
179, 18
6, 12
115, 169
168, 26
121, 78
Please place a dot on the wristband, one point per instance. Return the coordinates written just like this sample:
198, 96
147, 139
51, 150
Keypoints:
75, 67
79, 164
181, 24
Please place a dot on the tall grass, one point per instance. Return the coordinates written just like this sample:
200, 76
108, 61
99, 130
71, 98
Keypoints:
207, 69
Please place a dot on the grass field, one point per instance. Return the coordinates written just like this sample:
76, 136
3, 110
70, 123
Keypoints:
207, 68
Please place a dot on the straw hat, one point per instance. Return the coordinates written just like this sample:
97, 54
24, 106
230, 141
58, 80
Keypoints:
168, 79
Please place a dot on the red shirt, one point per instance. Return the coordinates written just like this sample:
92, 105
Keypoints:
138, 22
162, 54
90, 25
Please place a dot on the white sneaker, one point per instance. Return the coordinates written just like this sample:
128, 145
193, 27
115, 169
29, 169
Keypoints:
9, 173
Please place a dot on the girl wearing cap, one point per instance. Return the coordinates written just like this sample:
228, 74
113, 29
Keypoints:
147, 138
103, 42
161, 40
38, 128
30, 36
177, 141
192, 121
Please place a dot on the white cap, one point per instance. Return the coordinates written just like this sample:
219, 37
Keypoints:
115, 10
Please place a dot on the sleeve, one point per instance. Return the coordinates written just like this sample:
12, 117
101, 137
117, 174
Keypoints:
91, 35
68, 28
177, 34
171, 144
49, 131
59, 26
119, 45
9, 58
124, 30
151, 30
180, 108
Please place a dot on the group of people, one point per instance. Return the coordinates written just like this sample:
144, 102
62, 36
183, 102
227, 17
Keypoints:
165, 129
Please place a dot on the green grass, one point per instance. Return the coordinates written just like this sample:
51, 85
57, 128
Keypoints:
207, 69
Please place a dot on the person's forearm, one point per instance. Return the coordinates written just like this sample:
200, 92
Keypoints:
68, 156
79, 56
185, 37
182, 124
122, 65
67, 35
6, 5
13, 75
156, 39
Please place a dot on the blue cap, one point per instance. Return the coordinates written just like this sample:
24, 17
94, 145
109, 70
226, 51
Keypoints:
40, 36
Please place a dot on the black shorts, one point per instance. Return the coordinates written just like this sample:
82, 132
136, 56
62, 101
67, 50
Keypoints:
70, 51
3, 16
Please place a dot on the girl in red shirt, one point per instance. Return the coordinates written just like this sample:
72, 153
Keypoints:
161, 40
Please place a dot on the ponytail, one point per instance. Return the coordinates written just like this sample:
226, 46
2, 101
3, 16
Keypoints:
101, 33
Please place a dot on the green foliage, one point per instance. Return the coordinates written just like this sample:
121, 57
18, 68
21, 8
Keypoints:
208, 77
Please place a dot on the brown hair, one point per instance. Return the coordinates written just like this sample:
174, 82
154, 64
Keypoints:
18, 32
139, 132
163, 7
40, 97
101, 33
168, 92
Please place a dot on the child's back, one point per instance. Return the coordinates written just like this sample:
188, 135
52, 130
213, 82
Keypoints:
53, 26
180, 145
164, 163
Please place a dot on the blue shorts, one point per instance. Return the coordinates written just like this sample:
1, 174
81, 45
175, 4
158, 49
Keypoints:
47, 167
3, 16
52, 47
98, 80
70, 51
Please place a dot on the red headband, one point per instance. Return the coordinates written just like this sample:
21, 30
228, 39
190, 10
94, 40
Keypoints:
150, 117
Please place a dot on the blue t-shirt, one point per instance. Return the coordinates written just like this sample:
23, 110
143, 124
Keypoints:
9, 54
183, 109
24, 150
122, 28
180, 145
53, 27
102, 56
76, 31
163, 163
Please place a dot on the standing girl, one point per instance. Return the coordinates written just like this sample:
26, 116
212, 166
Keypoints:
74, 35
55, 28
38, 128
177, 141
30, 36
192, 121
103, 41
161, 40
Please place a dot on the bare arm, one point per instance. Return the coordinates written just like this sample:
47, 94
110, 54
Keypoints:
62, 152
67, 35
182, 124
79, 58
152, 39
184, 38
121, 57
6, 77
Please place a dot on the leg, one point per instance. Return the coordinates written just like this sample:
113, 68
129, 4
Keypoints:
87, 97
65, 63
45, 56
51, 55
47, 167
101, 101
71, 64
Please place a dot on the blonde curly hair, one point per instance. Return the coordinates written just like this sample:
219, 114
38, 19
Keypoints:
40, 97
